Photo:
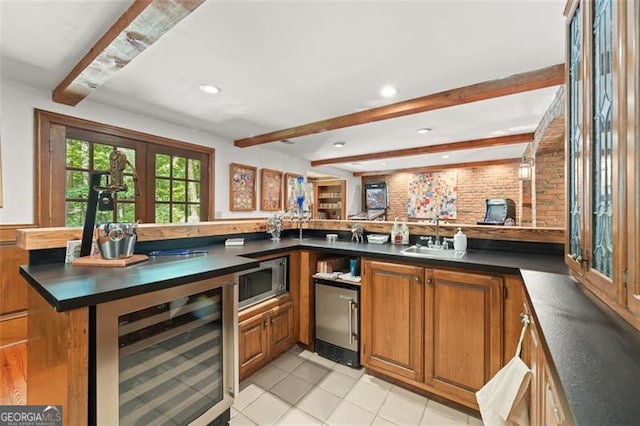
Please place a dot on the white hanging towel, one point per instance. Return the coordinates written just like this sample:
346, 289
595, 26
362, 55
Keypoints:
501, 399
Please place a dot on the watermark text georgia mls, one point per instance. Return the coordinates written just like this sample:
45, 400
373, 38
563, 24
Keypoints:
30, 415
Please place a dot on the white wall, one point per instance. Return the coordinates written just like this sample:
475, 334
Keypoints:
17, 144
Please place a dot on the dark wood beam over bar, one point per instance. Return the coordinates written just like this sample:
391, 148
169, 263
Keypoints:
440, 167
138, 28
430, 149
516, 83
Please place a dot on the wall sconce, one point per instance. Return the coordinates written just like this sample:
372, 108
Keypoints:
525, 170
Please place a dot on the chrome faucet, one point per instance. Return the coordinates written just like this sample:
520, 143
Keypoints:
422, 239
437, 219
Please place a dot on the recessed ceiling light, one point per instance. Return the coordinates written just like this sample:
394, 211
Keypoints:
445, 156
423, 131
339, 144
209, 89
383, 163
388, 91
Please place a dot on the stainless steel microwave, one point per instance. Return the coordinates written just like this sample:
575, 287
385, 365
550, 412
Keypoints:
267, 280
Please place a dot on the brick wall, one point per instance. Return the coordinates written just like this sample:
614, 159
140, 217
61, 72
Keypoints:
475, 184
549, 185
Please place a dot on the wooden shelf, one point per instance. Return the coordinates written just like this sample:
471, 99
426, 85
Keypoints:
330, 196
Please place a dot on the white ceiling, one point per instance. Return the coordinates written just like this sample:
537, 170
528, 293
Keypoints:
287, 63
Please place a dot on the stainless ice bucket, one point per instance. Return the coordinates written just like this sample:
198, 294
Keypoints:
116, 240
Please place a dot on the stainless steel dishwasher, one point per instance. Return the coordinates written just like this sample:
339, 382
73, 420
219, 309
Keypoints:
338, 321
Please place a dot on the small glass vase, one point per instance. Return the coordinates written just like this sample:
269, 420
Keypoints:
275, 235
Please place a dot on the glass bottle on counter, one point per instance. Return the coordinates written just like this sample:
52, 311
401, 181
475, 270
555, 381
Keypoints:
396, 237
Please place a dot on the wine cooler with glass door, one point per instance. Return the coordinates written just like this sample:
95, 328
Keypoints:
168, 357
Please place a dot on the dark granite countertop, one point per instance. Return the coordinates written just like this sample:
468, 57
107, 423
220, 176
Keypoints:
595, 353
68, 287
489, 260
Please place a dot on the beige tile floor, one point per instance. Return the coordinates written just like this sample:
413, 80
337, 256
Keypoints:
302, 388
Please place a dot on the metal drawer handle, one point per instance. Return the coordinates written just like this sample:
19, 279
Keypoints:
353, 328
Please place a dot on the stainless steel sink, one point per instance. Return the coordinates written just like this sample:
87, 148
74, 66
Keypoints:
423, 251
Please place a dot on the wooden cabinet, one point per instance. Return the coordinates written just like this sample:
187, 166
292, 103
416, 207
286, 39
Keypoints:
393, 318
330, 199
464, 332
553, 414
603, 180
435, 329
633, 159
280, 328
536, 364
546, 404
263, 334
252, 342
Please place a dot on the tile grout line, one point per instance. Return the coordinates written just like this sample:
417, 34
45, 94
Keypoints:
330, 367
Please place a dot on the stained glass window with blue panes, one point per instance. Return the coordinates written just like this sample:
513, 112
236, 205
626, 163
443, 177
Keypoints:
602, 134
575, 136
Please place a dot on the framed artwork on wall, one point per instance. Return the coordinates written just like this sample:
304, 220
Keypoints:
433, 194
242, 187
270, 190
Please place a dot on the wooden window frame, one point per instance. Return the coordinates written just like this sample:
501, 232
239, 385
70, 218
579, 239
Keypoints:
51, 127
149, 185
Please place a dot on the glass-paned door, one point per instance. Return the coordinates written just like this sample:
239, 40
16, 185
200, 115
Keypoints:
574, 154
83, 156
170, 360
602, 138
166, 357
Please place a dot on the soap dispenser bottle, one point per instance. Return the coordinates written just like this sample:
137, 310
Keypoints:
460, 241
404, 230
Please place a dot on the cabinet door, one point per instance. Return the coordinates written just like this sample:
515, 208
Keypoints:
463, 347
536, 398
253, 348
604, 140
633, 168
280, 329
574, 145
393, 327
597, 135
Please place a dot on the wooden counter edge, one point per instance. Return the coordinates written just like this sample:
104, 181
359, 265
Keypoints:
46, 238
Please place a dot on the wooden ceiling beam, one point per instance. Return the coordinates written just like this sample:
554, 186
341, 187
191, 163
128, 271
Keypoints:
440, 167
516, 83
430, 149
141, 25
